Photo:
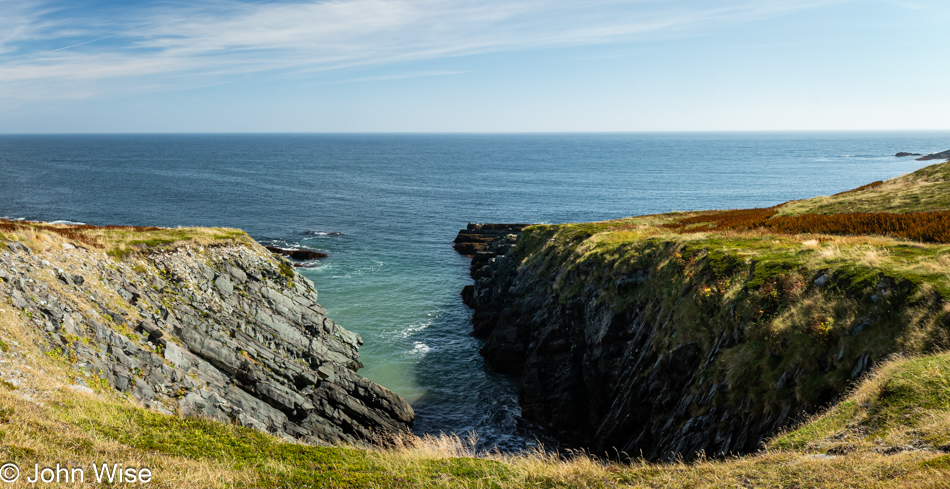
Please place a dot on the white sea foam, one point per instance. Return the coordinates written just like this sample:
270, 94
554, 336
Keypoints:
420, 348
377, 266
415, 328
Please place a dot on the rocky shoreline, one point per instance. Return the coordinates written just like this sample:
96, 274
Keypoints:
227, 331
943, 155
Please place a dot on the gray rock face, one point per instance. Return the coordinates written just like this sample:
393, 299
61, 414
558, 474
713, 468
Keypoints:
224, 332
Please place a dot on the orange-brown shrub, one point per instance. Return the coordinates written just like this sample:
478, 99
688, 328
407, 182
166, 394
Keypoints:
735, 219
931, 227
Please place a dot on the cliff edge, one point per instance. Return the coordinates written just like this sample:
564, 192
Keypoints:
198, 322
711, 332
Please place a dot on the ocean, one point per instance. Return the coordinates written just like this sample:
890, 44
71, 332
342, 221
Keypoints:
386, 208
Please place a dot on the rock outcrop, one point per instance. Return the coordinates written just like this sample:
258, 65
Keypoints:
476, 238
625, 358
943, 155
904, 153
228, 331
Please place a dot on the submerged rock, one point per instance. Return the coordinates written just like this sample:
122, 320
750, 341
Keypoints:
903, 154
297, 254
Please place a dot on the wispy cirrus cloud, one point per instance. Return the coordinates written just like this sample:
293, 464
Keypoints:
50, 51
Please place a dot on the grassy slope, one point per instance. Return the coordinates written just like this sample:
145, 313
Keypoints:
872, 435
903, 405
921, 191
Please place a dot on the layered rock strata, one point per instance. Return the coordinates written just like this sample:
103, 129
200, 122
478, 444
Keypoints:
605, 366
228, 332
484, 243
477, 238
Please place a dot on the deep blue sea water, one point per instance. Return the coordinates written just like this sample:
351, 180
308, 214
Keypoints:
386, 208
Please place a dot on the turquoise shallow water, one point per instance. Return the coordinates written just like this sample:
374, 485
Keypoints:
386, 208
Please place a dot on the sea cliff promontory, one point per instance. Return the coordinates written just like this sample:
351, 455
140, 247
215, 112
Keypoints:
196, 322
712, 332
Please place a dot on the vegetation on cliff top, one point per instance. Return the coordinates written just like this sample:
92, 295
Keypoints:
119, 241
790, 315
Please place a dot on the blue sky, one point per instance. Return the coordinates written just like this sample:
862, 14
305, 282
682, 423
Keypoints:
473, 66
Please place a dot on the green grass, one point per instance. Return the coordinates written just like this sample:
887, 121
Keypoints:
238, 448
196, 453
906, 403
80, 428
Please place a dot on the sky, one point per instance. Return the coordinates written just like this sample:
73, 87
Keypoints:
473, 65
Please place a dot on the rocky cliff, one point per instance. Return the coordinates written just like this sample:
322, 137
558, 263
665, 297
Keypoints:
218, 328
676, 334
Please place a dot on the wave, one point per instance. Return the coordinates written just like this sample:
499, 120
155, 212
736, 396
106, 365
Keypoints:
71, 223
322, 234
415, 328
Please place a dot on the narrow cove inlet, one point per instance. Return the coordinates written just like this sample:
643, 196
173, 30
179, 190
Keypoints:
392, 275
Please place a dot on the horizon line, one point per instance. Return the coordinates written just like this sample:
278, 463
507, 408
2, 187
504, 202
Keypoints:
463, 133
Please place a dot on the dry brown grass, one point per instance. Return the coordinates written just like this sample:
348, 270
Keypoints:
120, 241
